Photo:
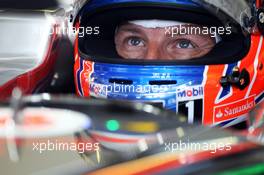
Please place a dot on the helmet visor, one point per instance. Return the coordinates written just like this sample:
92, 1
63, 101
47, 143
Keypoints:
157, 34
239, 11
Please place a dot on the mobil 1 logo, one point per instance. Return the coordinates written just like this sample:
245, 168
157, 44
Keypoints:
190, 103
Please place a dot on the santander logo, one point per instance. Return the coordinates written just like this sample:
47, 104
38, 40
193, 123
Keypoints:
232, 110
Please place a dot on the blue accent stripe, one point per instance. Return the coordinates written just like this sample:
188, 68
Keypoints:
79, 77
101, 3
227, 90
225, 123
259, 98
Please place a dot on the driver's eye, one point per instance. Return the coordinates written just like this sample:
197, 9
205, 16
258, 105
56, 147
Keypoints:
185, 44
135, 41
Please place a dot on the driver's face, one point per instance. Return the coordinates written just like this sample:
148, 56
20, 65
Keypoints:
137, 42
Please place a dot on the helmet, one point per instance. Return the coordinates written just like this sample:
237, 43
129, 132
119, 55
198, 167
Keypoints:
215, 88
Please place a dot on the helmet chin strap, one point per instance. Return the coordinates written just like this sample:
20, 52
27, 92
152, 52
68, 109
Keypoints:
156, 23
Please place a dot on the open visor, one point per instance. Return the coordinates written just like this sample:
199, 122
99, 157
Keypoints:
240, 11
203, 35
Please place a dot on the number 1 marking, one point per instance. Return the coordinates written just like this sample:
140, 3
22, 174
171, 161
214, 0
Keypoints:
190, 106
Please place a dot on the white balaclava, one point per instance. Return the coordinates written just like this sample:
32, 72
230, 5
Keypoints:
155, 23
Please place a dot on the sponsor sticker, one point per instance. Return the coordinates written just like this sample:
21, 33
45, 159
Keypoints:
98, 90
189, 93
232, 110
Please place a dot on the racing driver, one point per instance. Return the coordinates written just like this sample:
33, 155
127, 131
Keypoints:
201, 58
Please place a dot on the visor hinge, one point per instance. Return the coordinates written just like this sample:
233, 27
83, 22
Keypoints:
260, 20
237, 78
